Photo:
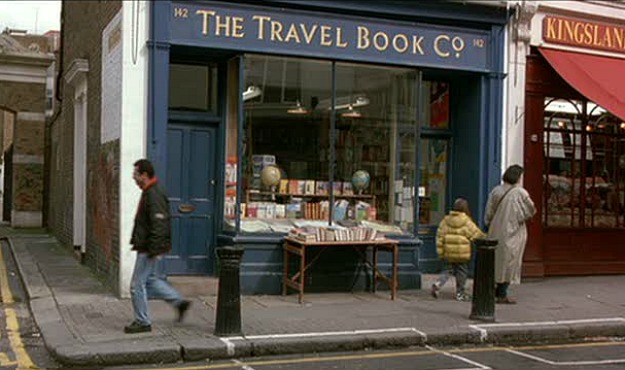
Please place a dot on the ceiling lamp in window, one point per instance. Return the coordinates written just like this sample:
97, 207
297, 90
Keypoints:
297, 109
351, 113
251, 93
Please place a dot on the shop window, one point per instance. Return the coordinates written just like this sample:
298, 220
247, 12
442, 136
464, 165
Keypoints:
193, 87
433, 180
584, 178
294, 123
436, 95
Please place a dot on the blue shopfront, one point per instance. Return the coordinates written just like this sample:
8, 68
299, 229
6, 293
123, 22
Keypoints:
265, 118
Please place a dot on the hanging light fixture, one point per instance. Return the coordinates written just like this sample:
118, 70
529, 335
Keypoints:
351, 113
297, 109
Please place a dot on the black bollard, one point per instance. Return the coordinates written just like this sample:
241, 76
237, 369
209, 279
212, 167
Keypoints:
483, 303
228, 320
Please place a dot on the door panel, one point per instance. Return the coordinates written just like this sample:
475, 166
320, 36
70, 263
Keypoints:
191, 187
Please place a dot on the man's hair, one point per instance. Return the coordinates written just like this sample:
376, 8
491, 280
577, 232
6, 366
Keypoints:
143, 165
462, 205
512, 174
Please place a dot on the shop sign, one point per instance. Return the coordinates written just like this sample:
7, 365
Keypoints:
584, 34
290, 32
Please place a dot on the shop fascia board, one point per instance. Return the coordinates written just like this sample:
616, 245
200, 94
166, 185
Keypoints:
595, 10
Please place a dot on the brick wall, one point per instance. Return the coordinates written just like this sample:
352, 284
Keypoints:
28, 100
83, 23
20, 96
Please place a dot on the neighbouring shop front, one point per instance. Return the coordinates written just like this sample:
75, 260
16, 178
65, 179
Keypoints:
281, 116
575, 143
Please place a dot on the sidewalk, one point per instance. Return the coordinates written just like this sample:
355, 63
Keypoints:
82, 321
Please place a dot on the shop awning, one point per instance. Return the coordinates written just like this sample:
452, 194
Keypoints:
600, 79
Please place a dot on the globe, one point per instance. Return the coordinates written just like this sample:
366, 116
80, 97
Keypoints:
270, 176
360, 180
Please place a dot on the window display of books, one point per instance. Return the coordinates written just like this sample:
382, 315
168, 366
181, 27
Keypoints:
309, 199
299, 208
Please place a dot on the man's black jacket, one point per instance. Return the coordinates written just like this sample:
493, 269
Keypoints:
151, 233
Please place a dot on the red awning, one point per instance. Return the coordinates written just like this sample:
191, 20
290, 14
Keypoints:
600, 79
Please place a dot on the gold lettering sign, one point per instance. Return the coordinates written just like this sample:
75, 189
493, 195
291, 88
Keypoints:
212, 22
584, 34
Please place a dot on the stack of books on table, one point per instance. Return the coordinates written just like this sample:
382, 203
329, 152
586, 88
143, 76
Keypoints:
302, 234
323, 234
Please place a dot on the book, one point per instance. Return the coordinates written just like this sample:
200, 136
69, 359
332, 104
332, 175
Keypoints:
340, 209
348, 189
337, 187
321, 188
280, 211
271, 210
284, 186
293, 187
252, 210
301, 186
309, 187
293, 210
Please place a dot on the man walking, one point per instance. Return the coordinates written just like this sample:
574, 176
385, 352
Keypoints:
151, 238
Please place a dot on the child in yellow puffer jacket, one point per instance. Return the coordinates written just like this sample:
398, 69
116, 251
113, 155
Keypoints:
453, 244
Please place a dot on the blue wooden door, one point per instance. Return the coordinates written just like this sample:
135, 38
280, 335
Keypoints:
191, 188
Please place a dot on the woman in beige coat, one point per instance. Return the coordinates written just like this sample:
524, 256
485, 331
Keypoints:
508, 208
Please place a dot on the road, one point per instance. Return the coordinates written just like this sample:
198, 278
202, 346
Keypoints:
21, 345
572, 356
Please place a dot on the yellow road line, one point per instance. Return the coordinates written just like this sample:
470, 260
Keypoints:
13, 331
5, 290
386, 355
12, 324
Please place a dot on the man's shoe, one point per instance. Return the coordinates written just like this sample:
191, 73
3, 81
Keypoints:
137, 327
182, 309
505, 300
435, 291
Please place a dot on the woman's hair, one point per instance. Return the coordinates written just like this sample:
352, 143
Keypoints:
462, 205
512, 174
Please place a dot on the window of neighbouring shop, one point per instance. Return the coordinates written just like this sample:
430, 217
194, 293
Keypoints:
295, 122
584, 175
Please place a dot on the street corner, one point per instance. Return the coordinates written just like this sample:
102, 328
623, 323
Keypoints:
126, 352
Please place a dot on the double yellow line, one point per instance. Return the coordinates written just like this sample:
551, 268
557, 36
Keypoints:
12, 324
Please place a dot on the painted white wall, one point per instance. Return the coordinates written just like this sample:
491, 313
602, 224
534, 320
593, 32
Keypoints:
111, 96
133, 128
518, 38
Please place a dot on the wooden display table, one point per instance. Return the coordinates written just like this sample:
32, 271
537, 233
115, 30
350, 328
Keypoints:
298, 248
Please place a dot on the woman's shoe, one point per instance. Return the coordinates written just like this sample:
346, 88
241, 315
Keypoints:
505, 300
